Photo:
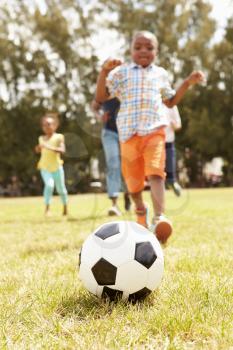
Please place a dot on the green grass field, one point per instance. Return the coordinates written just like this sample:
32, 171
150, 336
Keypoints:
44, 306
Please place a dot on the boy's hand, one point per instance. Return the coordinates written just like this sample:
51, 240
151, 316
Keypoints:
95, 106
196, 77
110, 64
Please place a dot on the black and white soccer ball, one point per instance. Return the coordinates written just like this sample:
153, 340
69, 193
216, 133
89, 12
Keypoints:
121, 260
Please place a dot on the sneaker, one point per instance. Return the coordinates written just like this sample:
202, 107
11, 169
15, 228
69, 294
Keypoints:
176, 188
127, 202
143, 216
114, 211
162, 228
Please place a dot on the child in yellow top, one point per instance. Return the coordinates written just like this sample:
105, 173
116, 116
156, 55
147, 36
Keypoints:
51, 145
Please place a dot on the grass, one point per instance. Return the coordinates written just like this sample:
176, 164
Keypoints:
44, 306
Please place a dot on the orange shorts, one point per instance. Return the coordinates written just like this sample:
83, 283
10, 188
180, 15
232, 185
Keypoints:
143, 156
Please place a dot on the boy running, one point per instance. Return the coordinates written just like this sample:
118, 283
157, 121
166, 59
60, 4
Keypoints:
142, 88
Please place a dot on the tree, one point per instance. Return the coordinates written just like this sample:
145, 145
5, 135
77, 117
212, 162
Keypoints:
46, 63
213, 131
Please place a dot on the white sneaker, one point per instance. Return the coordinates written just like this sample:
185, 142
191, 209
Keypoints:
162, 228
114, 211
177, 189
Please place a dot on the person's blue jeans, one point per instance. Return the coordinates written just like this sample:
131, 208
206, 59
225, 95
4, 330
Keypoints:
110, 141
170, 162
50, 179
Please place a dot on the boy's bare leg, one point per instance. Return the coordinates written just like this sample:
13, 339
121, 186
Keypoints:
137, 199
141, 209
163, 227
157, 186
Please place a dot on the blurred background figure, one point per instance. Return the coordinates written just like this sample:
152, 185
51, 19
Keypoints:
107, 112
34, 186
174, 124
51, 146
14, 187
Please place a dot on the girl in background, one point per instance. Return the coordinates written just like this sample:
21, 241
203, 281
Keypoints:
51, 145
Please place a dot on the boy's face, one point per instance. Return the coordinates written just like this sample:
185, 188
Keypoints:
143, 51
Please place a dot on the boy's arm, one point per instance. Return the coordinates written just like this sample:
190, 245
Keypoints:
101, 94
194, 78
96, 107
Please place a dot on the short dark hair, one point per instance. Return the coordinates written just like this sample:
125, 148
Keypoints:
145, 33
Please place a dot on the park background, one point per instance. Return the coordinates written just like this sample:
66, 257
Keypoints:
50, 54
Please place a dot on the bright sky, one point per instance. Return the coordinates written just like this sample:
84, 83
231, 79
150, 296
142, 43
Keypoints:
222, 10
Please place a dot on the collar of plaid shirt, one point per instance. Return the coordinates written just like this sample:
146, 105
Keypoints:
135, 65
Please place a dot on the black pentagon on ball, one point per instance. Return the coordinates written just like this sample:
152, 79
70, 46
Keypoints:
104, 272
145, 254
112, 294
107, 231
140, 295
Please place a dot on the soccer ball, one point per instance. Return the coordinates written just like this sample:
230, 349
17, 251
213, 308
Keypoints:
121, 260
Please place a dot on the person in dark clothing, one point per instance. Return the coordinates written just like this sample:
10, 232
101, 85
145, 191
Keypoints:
107, 111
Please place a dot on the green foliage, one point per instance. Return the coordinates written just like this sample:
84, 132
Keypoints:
212, 129
48, 62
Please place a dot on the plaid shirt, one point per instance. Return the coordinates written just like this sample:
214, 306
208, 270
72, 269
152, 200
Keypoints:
140, 91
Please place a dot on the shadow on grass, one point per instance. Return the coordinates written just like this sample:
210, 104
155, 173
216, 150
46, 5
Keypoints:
87, 306
42, 220
45, 249
87, 218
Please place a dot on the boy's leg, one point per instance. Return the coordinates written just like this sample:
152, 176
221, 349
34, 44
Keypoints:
127, 202
59, 179
141, 209
154, 156
138, 199
132, 164
48, 188
157, 194
110, 143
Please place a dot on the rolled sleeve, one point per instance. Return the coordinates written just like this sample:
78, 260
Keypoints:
113, 82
